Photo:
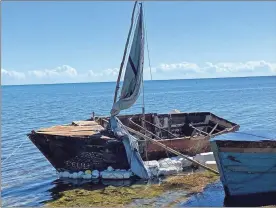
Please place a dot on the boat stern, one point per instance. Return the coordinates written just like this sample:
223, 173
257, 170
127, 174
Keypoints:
246, 162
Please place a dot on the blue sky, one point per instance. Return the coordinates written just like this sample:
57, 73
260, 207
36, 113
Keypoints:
57, 42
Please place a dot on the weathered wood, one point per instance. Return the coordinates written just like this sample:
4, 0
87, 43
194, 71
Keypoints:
247, 165
84, 123
213, 129
248, 150
71, 130
198, 129
248, 173
161, 129
171, 150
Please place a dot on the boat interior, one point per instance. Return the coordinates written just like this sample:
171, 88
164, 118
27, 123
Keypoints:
157, 126
175, 125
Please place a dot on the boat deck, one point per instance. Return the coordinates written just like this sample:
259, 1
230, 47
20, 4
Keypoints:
76, 129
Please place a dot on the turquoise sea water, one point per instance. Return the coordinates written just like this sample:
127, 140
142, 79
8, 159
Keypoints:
28, 179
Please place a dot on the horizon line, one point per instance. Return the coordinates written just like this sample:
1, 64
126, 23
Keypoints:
144, 80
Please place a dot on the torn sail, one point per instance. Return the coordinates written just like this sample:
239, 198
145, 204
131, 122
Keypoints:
134, 70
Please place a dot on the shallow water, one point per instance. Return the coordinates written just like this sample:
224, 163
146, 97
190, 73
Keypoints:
212, 196
28, 179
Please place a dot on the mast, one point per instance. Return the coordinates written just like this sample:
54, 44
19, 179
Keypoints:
124, 55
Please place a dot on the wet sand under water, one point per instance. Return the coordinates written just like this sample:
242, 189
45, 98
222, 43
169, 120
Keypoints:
169, 191
199, 189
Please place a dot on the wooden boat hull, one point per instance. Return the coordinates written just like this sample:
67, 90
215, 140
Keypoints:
90, 145
247, 168
75, 154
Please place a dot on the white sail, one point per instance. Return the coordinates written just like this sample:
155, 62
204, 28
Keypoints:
134, 70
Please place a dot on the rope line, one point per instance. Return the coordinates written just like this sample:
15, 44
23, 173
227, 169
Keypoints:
146, 37
143, 98
13, 152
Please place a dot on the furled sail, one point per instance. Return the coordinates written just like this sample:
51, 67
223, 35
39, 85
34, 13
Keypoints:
134, 70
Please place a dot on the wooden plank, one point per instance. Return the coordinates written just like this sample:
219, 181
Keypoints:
71, 130
259, 168
198, 129
216, 154
248, 150
213, 129
244, 183
160, 128
247, 173
65, 128
82, 133
248, 157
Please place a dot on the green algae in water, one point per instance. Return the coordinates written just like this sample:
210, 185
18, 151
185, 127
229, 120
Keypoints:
120, 196
110, 196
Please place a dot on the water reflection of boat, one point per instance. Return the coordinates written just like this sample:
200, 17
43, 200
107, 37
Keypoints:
213, 196
255, 200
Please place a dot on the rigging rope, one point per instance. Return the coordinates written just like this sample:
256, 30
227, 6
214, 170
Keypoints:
143, 97
146, 38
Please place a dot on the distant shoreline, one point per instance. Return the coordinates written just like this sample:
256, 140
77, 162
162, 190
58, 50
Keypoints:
144, 80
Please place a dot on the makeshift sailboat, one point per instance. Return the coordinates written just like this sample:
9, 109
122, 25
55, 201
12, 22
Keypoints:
100, 142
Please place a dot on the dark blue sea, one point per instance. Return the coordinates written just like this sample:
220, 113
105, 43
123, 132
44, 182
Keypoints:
28, 179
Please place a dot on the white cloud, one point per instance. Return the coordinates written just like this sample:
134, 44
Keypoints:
91, 73
63, 71
109, 74
220, 69
180, 66
11, 74
250, 66
11, 77
181, 70
106, 72
113, 72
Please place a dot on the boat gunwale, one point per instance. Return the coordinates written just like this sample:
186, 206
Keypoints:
98, 119
173, 113
235, 127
